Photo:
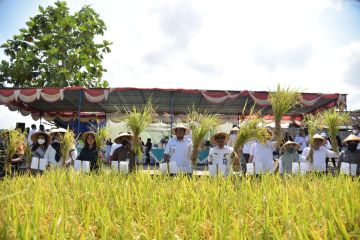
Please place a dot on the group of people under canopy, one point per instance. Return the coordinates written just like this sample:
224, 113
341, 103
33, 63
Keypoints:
47, 146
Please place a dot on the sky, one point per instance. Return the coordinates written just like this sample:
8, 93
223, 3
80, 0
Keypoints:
224, 45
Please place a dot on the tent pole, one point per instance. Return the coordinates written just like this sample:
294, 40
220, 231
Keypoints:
79, 112
172, 113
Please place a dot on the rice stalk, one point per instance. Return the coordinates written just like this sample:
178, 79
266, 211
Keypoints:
67, 144
101, 135
313, 124
251, 129
137, 120
333, 119
200, 124
282, 100
16, 142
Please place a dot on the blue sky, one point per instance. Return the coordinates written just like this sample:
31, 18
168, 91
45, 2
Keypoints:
229, 44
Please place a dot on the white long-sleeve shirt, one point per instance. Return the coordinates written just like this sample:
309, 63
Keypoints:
50, 157
319, 160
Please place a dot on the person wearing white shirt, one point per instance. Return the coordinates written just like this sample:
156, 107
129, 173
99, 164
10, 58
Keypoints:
221, 153
31, 132
302, 140
261, 154
179, 149
317, 154
53, 152
233, 135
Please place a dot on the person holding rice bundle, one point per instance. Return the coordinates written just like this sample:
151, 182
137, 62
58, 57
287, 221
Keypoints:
41, 141
261, 154
221, 152
290, 155
352, 153
179, 149
53, 152
232, 137
317, 154
125, 151
89, 151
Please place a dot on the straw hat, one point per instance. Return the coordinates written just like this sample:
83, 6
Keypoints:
234, 129
57, 130
121, 136
318, 136
180, 125
213, 138
35, 136
351, 137
297, 146
86, 134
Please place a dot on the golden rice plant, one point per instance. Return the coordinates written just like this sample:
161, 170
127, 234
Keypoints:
251, 129
67, 144
137, 120
270, 207
200, 124
282, 100
101, 135
16, 141
333, 119
313, 124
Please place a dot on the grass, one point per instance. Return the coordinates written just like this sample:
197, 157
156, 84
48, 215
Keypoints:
63, 205
282, 100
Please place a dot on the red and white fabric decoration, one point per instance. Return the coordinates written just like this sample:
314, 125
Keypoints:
218, 97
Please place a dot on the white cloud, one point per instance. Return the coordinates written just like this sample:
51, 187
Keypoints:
230, 44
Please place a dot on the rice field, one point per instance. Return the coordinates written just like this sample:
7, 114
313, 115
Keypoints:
108, 205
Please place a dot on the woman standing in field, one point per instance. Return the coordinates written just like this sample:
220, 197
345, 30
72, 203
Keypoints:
53, 152
41, 141
89, 152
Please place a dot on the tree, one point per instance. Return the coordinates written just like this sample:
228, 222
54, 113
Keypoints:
57, 49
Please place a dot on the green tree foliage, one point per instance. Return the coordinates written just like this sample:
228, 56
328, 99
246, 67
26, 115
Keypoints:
56, 49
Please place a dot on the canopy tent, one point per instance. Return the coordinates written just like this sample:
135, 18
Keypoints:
79, 102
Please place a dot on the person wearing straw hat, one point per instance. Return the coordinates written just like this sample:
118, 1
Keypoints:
89, 151
53, 152
117, 142
233, 134
179, 149
220, 153
289, 156
352, 153
125, 151
41, 141
317, 154
261, 154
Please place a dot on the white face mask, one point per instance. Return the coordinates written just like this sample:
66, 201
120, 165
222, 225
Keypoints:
41, 141
355, 131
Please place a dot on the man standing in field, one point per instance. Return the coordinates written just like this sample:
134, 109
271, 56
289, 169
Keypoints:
221, 153
317, 154
179, 149
351, 154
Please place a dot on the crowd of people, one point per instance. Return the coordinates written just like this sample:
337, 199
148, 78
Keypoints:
266, 157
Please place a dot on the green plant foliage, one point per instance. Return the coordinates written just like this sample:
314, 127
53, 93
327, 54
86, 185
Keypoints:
56, 49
